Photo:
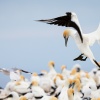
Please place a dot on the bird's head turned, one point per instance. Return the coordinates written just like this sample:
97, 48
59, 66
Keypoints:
51, 63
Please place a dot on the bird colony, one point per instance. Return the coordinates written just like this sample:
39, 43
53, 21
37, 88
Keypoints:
73, 84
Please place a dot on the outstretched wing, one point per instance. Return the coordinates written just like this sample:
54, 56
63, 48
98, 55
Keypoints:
93, 37
64, 21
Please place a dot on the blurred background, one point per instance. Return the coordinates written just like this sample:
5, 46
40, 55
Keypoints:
30, 45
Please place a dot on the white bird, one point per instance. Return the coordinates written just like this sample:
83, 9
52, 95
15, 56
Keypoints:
65, 72
52, 73
84, 47
37, 91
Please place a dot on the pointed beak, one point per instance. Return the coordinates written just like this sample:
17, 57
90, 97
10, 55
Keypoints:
66, 40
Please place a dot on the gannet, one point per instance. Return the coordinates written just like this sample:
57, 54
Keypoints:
88, 40
70, 92
46, 83
52, 73
37, 91
68, 20
35, 77
64, 95
65, 72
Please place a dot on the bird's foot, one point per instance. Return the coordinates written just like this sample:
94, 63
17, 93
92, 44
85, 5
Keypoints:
80, 57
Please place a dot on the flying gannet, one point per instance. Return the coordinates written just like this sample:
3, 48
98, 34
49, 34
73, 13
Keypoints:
89, 39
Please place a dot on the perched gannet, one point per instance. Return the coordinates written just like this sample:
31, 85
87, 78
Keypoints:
65, 72
35, 77
47, 84
84, 47
52, 73
70, 92
77, 67
64, 95
68, 20
37, 91
86, 92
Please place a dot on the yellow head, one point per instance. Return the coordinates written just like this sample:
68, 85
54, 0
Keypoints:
51, 63
66, 33
22, 78
53, 98
87, 75
34, 83
17, 83
73, 72
34, 74
98, 98
60, 76
70, 91
77, 84
23, 98
63, 67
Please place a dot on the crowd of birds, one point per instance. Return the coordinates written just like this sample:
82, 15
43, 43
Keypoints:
73, 84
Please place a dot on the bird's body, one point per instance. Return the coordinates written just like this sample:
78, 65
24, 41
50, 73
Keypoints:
84, 47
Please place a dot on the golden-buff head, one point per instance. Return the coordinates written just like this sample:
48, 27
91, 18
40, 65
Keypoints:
51, 63
23, 98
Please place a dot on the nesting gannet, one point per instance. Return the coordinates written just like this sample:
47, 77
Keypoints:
63, 95
70, 92
35, 77
47, 84
37, 91
88, 40
65, 72
52, 73
68, 20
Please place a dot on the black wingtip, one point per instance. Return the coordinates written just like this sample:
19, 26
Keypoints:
96, 63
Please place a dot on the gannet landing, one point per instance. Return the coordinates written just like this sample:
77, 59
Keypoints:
68, 20
89, 39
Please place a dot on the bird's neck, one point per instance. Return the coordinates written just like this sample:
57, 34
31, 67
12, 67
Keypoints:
75, 19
